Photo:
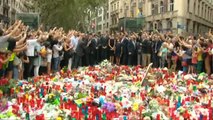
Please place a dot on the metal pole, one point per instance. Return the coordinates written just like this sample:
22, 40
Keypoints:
125, 19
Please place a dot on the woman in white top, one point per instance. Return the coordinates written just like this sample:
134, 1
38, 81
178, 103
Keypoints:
49, 58
57, 47
170, 47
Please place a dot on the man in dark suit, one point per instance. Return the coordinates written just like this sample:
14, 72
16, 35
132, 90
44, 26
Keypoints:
93, 50
147, 50
87, 50
79, 52
131, 50
139, 49
156, 44
104, 44
124, 42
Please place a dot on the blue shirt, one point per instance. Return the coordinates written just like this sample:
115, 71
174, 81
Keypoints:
74, 41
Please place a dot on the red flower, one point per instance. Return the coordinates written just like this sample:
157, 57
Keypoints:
40, 117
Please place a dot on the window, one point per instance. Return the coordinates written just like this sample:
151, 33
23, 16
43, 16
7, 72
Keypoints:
150, 26
161, 7
153, 9
117, 5
156, 26
207, 12
100, 11
99, 27
195, 7
169, 24
198, 9
188, 5
171, 5
187, 25
194, 27
202, 10
160, 26
99, 19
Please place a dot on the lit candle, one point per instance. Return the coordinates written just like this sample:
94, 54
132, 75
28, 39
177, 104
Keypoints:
158, 117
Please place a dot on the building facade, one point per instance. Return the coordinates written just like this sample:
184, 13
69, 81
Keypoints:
4, 11
180, 16
10, 8
98, 21
102, 20
125, 14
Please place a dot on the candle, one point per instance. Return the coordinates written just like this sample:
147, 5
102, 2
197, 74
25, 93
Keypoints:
158, 117
210, 113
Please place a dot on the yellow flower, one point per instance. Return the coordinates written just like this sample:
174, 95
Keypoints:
16, 91
27, 96
78, 102
135, 106
58, 118
51, 95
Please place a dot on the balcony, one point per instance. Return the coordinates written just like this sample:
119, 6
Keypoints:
140, 5
114, 25
115, 11
165, 15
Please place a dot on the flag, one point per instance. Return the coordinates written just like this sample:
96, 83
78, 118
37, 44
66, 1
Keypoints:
138, 12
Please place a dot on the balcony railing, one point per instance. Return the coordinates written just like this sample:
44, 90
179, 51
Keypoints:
140, 4
169, 14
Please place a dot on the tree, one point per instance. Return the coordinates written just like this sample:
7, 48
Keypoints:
69, 14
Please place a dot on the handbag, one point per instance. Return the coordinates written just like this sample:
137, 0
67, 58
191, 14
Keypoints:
159, 54
16, 61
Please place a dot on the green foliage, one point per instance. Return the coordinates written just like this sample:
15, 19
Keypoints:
69, 14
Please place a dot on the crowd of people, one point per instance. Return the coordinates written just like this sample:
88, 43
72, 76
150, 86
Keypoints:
26, 53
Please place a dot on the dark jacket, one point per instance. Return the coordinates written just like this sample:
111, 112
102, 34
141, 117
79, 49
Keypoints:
104, 41
80, 48
147, 47
139, 46
93, 46
156, 46
124, 45
131, 47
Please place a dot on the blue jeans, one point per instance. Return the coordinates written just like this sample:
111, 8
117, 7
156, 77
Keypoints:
15, 73
56, 62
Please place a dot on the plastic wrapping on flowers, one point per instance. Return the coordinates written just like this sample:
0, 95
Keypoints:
111, 92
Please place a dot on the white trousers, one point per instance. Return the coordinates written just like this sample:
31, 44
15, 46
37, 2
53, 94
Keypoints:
36, 71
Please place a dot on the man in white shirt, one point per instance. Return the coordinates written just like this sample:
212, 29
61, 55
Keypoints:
34, 60
74, 43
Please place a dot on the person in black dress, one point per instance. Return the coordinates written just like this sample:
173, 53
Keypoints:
111, 44
67, 52
118, 51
